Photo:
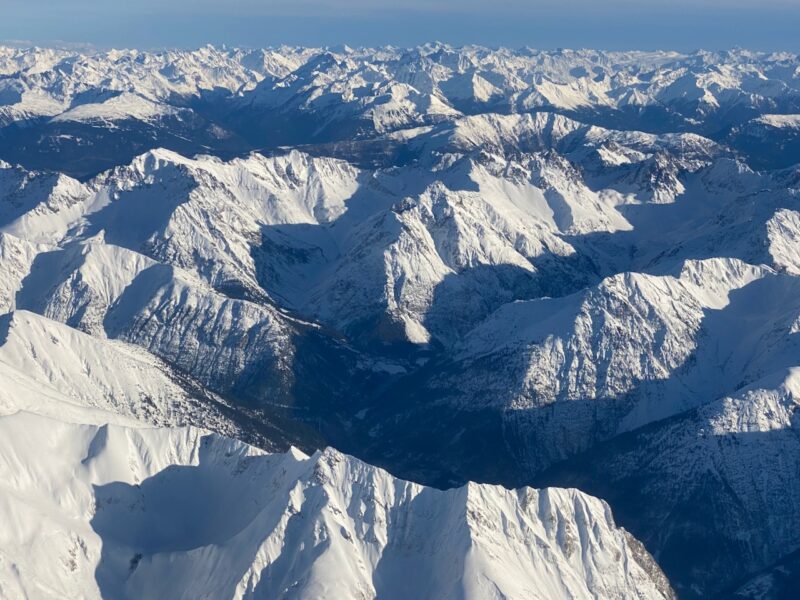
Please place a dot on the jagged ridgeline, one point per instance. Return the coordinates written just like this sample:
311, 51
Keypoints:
464, 266
81, 113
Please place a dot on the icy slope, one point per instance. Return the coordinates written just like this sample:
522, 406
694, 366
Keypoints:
109, 511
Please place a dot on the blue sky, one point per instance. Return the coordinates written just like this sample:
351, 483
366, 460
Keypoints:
609, 24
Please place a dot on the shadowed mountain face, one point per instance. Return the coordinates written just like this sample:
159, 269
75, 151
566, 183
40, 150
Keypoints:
460, 265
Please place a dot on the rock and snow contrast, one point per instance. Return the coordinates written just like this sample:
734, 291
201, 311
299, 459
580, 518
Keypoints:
467, 267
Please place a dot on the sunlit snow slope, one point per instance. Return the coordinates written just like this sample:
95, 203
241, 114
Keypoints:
93, 511
465, 266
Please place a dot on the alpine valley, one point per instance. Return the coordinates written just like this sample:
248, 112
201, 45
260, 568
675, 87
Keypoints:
399, 323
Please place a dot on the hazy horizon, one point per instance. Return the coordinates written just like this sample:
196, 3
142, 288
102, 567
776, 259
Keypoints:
617, 25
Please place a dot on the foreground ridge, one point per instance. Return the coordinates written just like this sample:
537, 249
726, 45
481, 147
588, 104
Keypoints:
119, 512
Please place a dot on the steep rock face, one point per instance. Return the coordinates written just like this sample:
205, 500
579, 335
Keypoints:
558, 375
16, 257
715, 488
37, 206
122, 507
218, 210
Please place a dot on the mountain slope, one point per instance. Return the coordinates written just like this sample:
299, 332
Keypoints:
110, 511
714, 489
460, 264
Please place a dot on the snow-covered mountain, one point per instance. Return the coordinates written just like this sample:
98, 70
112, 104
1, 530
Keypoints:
55, 105
744, 447
461, 265
111, 511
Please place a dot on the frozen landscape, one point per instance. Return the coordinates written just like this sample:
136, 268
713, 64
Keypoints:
440, 322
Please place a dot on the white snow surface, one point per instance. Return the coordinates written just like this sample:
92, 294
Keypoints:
118, 108
579, 281
394, 88
95, 511
779, 121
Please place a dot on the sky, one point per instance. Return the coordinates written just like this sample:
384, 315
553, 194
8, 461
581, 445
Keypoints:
606, 24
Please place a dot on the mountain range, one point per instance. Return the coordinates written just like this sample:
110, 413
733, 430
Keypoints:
502, 275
